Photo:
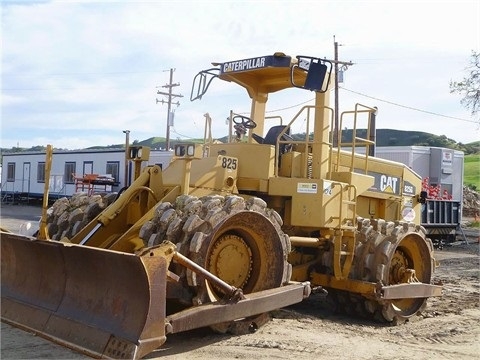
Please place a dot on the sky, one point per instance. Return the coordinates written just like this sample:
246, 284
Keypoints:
77, 74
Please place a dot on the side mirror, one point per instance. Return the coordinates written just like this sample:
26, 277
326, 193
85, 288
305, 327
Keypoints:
422, 199
318, 73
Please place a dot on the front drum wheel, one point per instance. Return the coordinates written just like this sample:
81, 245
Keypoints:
245, 250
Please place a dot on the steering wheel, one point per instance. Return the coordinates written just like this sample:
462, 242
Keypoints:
244, 121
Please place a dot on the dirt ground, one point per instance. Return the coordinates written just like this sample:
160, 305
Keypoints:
449, 328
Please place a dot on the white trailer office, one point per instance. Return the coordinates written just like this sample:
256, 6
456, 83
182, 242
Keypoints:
23, 173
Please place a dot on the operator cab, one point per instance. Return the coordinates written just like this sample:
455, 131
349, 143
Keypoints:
261, 76
267, 74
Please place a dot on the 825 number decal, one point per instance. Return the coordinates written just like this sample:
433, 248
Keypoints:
229, 163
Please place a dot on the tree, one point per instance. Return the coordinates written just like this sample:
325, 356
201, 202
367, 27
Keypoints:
38, 148
469, 87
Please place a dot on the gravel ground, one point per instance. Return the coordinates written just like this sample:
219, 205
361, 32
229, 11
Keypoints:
449, 328
13, 216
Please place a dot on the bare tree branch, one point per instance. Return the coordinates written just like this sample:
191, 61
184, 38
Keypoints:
469, 87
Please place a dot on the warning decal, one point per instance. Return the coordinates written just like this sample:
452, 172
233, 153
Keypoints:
307, 188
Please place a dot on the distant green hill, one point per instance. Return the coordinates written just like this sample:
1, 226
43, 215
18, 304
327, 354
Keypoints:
389, 137
384, 137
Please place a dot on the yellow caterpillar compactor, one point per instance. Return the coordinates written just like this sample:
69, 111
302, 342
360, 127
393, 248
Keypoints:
229, 231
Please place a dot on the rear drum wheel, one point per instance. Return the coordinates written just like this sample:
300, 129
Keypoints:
393, 254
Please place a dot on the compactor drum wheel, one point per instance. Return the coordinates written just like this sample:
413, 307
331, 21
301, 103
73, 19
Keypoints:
245, 250
67, 216
240, 241
390, 254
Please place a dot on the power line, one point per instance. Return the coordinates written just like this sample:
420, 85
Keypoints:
288, 107
183, 136
378, 99
409, 107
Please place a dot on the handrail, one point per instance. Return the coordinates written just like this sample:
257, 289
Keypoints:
202, 81
356, 140
306, 142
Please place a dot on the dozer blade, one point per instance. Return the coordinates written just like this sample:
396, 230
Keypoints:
99, 302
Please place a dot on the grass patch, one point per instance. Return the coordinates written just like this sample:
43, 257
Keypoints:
474, 224
471, 171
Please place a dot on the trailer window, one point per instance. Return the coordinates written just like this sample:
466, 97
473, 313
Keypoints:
41, 172
68, 176
11, 172
113, 169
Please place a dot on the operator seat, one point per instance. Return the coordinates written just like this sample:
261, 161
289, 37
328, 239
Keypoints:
271, 138
272, 135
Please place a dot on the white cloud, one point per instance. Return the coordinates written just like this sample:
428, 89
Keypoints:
94, 67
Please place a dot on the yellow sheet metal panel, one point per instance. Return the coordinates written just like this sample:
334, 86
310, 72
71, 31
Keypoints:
221, 175
291, 165
215, 173
362, 182
254, 161
315, 203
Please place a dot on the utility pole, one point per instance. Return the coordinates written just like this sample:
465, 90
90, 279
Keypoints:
169, 86
344, 64
127, 150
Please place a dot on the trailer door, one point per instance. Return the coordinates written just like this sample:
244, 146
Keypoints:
26, 178
87, 167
